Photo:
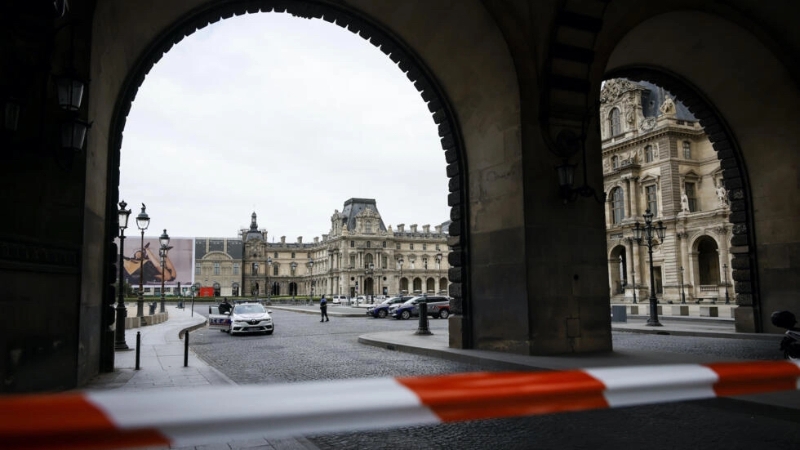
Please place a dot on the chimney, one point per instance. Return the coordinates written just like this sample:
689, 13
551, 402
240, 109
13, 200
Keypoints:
438, 229
316, 239
414, 228
299, 239
400, 227
324, 237
426, 229
283, 239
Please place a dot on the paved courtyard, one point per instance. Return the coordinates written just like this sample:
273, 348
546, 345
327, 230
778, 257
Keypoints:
304, 349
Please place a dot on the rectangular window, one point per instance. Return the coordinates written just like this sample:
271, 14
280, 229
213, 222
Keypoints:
236, 268
254, 269
275, 269
384, 262
648, 154
368, 227
687, 150
292, 255
652, 199
275, 255
352, 244
157, 291
411, 246
424, 246
352, 260
384, 244
216, 269
197, 269
437, 247
692, 195
397, 246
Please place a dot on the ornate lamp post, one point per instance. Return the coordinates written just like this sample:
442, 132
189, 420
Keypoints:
367, 272
400, 281
683, 294
142, 222
725, 272
439, 270
255, 283
293, 265
648, 233
311, 282
162, 253
269, 285
122, 311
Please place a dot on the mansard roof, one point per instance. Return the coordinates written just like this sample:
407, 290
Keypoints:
355, 206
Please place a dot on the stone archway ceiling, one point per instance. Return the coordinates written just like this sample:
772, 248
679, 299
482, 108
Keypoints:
355, 22
742, 239
567, 103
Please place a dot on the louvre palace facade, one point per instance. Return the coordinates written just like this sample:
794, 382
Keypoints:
657, 157
358, 256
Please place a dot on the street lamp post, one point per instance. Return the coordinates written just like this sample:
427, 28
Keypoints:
439, 271
255, 283
400, 281
369, 270
725, 272
633, 278
269, 285
310, 273
122, 311
683, 293
142, 222
294, 291
164, 241
650, 233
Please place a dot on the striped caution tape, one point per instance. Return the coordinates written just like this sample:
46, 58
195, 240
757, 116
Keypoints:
109, 419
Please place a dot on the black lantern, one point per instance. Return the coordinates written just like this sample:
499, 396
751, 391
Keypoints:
142, 222
11, 109
70, 92
73, 134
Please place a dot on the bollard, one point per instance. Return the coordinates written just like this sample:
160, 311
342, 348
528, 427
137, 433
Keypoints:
138, 344
186, 349
423, 318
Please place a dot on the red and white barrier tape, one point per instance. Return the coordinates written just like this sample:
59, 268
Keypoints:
124, 419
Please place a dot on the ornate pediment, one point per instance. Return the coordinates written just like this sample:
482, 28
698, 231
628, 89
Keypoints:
614, 89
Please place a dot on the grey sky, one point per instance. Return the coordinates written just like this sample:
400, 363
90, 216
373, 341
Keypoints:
285, 117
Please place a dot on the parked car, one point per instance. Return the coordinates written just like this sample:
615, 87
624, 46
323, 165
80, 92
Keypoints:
381, 310
247, 317
338, 299
438, 306
361, 300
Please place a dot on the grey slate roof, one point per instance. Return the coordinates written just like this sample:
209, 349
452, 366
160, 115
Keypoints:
353, 207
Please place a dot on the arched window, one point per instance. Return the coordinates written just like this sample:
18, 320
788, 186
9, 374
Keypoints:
649, 155
614, 124
617, 205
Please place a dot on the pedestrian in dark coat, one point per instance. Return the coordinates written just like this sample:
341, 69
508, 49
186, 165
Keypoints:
323, 309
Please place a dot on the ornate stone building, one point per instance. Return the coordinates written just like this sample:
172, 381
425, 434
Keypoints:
656, 156
358, 256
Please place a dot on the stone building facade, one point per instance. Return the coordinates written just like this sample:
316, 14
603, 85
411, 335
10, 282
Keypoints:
656, 156
358, 256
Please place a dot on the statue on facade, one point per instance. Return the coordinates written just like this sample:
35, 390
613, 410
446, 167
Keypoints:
668, 107
722, 195
684, 202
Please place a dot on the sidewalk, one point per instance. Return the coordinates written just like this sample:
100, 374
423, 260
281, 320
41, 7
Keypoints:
161, 368
162, 355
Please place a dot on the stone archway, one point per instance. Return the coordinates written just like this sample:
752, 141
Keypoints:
356, 22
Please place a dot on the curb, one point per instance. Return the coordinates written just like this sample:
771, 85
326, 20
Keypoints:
192, 328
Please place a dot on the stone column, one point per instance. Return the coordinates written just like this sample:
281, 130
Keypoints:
626, 192
684, 258
634, 182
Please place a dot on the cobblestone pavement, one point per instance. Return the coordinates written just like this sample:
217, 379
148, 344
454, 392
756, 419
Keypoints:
304, 349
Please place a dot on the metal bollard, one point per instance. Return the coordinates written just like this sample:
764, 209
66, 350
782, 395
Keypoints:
186, 350
138, 344
423, 319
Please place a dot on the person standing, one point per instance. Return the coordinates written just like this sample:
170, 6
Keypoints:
323, 309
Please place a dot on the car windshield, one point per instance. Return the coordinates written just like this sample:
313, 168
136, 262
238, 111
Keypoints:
249, 309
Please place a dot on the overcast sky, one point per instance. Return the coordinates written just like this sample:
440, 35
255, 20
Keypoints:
283, 116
